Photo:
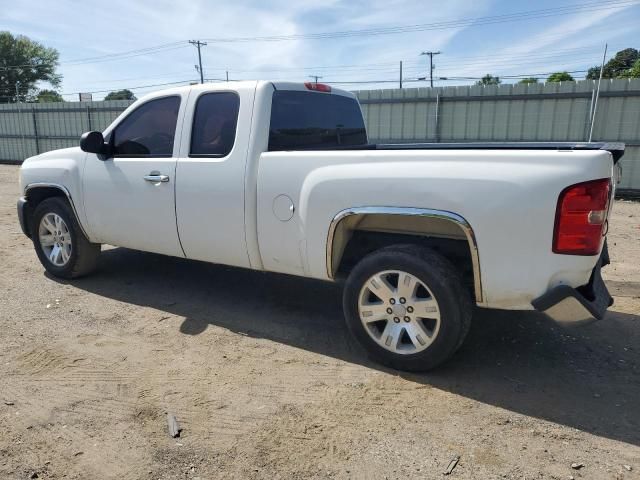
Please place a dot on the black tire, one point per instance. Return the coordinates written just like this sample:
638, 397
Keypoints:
84, 254
444, 282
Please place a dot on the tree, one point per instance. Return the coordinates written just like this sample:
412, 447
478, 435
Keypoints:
48, 96
489, 79
560, 77
593, 73
633, 72
529, 80
616, 67
23, 63
121, 95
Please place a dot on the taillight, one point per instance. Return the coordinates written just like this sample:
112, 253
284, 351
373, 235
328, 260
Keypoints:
580, 218
318, 87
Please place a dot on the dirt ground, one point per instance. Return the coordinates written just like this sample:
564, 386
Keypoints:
264, 382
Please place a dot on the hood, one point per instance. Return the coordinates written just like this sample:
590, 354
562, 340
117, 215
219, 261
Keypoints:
55, 154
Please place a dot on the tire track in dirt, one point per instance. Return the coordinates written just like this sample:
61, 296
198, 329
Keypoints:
65, 436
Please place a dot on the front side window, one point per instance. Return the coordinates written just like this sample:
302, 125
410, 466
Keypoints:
148, 131
214, 124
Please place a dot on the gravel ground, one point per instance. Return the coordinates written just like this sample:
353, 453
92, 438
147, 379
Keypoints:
259, 372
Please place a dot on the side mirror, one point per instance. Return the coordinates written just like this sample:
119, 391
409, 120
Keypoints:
93, 142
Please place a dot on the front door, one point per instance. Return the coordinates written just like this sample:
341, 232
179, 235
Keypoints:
130, 197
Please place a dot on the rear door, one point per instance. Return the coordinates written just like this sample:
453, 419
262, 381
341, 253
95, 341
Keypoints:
130, 198
210, 192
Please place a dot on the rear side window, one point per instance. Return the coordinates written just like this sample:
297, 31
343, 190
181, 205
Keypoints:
149, 130
307, 120
214, 124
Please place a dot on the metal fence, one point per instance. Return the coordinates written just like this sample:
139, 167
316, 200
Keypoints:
27, 129
533, 112
520, 112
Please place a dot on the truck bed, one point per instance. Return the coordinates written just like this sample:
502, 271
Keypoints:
615, 148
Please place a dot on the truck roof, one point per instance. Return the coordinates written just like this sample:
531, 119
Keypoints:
244, 84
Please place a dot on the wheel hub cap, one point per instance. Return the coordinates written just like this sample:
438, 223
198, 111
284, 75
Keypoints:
399, 312
55, 239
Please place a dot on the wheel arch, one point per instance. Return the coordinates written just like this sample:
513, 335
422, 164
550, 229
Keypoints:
36, 193
406, 221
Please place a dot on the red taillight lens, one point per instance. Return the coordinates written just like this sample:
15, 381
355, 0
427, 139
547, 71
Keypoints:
318, 87
580, 218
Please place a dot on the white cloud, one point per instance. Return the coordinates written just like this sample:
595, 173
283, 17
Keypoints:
535, 52
92, 28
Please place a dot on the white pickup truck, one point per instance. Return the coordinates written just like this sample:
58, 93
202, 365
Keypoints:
280, 177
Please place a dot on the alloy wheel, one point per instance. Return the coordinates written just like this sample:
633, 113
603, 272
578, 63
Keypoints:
55, 239
399, 312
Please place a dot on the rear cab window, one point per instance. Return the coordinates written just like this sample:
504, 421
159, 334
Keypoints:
304, 120
214, 124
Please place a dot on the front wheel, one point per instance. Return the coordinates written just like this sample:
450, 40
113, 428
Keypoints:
61, 246
407, 306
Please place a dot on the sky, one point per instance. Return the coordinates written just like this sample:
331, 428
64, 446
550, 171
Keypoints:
93, 36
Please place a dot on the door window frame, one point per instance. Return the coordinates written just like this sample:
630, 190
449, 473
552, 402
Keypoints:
193, 124
112, 132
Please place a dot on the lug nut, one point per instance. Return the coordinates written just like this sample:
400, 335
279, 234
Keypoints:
407, 319
389, 310
392, 301
403, 300
410, 309
396, 319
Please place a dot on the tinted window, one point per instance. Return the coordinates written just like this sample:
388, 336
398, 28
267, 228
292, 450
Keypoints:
305, 120
149, 130
214, 124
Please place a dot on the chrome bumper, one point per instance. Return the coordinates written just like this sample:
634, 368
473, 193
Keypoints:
574, 306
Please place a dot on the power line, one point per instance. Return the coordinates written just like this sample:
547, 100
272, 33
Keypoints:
469, 22
334, 82
136, 52
132, 88
519, 76
107, 57
417, 65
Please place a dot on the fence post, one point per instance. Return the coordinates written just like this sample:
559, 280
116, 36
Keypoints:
89, 117
437, 126
588, 121
35, 129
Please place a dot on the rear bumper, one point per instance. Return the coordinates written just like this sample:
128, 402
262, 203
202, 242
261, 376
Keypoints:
573, 306
23, 209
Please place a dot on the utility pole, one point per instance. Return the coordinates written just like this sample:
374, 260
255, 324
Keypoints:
400, 74
595, 104
199, 44
227, 72
431, 54
315, 78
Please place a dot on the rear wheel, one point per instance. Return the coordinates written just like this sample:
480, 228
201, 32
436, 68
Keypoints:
407, 306
61, 246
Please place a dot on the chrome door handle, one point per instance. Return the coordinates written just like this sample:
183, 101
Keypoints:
156, 178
